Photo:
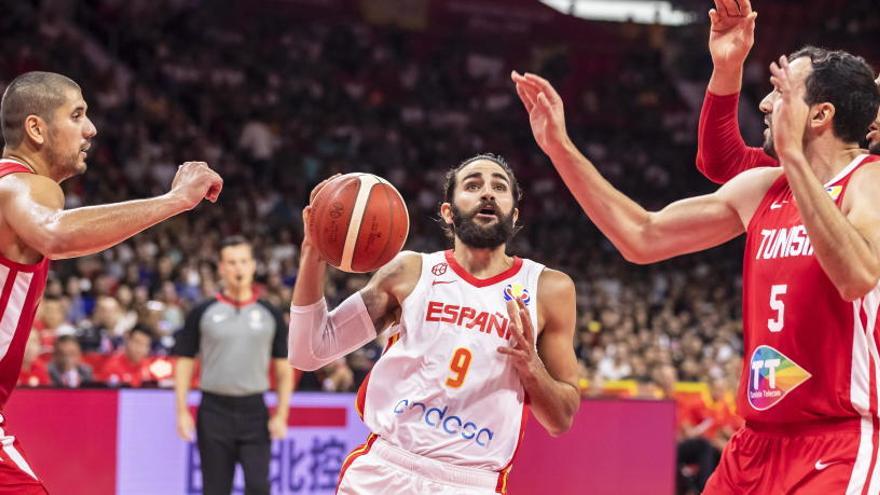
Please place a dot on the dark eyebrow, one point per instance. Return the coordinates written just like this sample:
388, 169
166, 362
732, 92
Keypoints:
494, 174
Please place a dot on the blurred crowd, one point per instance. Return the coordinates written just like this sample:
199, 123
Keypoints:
169, 81
279, 103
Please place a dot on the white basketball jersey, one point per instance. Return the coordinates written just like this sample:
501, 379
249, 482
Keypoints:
442, 389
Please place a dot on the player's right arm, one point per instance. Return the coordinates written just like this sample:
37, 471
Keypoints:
721, 150
686, 226
318, 336
33, 206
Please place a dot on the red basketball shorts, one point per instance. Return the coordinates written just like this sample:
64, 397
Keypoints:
816, 459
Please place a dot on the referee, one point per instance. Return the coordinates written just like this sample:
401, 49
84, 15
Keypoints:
236, 336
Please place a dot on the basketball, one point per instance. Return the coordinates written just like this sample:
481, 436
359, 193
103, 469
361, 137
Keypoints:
358, 222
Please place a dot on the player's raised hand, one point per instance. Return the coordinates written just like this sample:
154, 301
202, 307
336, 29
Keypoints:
196, 181
732, 34
546, 112
522, 351
790, 111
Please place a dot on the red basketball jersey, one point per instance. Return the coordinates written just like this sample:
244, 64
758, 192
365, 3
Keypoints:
808, 354
22, 287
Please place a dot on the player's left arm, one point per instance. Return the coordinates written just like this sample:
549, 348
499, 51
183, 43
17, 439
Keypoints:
846, 241
549, 370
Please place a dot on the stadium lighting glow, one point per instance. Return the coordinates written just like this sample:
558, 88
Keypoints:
639, 11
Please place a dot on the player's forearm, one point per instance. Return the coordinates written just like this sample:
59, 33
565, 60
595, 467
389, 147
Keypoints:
726, 80
283, 387
90, 229
309, 287
621, 219
844, 254
183, 373
721, 151
554, 403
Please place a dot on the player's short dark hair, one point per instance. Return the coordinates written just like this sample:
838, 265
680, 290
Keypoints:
847, 82
452, 176
32, 93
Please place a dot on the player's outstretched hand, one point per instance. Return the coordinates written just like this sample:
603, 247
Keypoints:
790, 110
733, 33
546, 113
522, 350
196, 181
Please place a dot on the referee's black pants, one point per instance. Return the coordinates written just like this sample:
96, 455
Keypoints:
233, 430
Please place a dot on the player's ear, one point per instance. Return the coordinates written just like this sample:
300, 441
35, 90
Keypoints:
515, 215
822, 116
35, 129
446, 213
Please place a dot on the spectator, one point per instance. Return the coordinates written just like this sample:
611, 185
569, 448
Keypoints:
131, 366
33, 370
66, 368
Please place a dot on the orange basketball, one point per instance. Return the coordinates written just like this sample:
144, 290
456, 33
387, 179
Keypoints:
358, 222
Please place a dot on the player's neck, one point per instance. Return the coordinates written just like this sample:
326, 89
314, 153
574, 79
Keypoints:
30, 160
482, 263
828, 156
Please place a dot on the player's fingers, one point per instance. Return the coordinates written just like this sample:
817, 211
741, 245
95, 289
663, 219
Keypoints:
713, 17
320, 186
547, 88
544, 102
525, 98
746, 7
729, 7
513, 313
528, 331
783, 62
719, 8
515, 353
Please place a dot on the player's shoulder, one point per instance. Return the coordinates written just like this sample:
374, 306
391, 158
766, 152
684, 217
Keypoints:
868, 172
554, 283
39, 187
755, 176
405, 263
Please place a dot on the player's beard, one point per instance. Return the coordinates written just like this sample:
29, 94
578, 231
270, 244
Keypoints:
67, 163
769, 149
479, 236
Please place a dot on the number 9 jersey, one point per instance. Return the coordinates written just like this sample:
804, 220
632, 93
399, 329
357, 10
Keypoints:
809, 355
442, 390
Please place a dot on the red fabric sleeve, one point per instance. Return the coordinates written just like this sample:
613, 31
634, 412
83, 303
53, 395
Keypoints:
721, 151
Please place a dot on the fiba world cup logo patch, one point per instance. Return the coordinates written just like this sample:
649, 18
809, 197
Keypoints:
772, 376
439, 269
512, 291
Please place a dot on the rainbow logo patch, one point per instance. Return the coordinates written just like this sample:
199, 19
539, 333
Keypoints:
512, 291
834, 192
772, 376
